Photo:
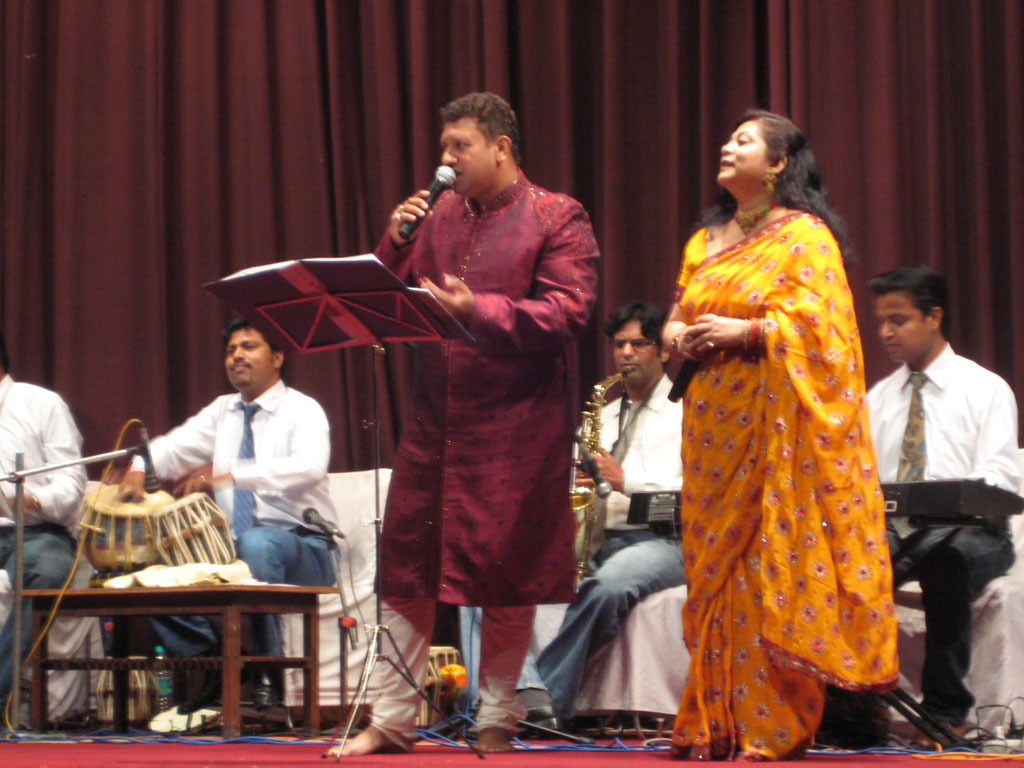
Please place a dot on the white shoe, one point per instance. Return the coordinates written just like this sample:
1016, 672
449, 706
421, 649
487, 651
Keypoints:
172, 720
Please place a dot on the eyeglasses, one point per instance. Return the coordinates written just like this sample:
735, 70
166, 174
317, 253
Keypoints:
637, 344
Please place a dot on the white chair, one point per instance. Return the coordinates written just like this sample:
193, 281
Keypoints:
996, 676
641, 670
353, 497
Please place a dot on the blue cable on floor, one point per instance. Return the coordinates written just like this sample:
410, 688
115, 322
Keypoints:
615, 744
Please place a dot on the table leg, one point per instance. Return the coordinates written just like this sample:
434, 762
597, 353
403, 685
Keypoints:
311, 671
231, 671
39, 709
119, 649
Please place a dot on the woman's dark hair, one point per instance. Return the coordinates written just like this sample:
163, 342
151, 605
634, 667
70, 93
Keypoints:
926, 287
799, 185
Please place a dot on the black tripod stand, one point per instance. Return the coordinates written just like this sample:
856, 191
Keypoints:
934, 729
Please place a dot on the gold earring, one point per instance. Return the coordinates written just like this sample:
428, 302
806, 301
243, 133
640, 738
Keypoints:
769, 181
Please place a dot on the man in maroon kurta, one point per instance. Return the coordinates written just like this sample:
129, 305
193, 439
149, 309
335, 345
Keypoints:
478, 509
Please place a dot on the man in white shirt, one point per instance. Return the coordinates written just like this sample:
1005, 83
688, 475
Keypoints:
263, 489
641, 435
37, 423
969, 416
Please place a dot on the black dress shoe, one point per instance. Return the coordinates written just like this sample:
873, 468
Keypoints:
539, 708
208, 693
266, 691
545, 716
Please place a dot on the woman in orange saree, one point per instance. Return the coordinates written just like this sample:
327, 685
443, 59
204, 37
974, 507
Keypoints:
784, 543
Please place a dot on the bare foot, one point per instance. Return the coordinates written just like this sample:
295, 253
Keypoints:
493, 739
370, 741
752, 757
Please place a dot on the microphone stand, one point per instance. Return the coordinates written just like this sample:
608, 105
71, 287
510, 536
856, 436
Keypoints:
18, 478
345, 625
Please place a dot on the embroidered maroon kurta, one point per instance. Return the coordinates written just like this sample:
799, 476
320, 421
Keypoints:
478, 508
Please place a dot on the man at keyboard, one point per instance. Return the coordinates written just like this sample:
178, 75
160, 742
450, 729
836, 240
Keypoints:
940, 416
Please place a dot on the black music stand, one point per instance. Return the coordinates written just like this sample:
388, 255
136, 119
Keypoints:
313, 305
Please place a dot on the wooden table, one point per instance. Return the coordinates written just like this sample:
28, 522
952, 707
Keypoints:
229, 602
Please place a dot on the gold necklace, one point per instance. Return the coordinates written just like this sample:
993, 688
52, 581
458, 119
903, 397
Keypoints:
748, 219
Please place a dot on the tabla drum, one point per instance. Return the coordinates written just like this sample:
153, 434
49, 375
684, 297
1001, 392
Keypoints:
119, 534
193, 529
141, 695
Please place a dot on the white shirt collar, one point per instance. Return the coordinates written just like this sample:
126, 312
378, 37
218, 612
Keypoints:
659, 397
5, 387
938, 371
269, 400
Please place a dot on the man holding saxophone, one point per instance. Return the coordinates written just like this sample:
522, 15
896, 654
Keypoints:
640, 438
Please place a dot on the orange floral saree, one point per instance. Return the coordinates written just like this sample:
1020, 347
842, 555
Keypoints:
784, 543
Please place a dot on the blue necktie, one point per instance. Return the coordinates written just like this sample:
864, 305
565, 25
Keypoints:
242, 519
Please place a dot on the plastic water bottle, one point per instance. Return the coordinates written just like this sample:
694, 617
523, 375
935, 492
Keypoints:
164, 680
108, 637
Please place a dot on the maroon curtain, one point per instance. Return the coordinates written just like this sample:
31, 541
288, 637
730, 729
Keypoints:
151, 147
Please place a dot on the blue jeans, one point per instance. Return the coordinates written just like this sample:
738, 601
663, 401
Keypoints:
49, 553
274, 555
631, 565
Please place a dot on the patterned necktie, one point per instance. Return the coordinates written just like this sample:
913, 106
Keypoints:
242, 519
912, 452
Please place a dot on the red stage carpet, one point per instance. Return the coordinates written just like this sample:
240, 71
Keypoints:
278, 753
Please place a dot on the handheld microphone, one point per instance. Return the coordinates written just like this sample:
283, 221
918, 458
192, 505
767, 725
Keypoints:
444, 177
586, 462
152, 482
312, 517
686, 372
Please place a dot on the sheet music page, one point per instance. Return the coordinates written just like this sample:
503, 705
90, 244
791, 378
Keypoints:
276, 266
363, 257
432, 302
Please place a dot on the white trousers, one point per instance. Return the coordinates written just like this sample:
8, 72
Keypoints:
504, 639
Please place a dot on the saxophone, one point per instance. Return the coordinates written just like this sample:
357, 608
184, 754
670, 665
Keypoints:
583, 499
